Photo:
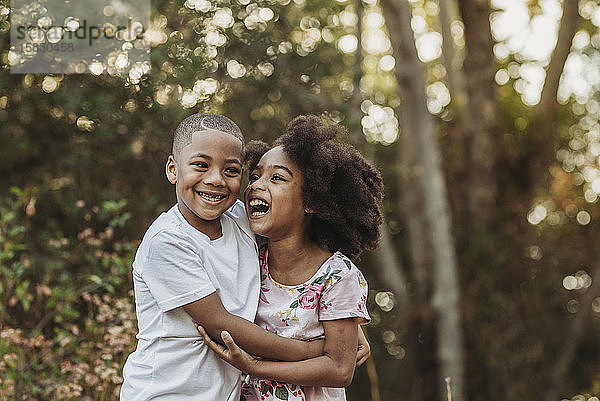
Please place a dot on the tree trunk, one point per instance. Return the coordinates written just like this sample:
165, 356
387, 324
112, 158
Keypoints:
453, 57
572, 338
455, 154
418, 123
413, 215
481, 113
392, 274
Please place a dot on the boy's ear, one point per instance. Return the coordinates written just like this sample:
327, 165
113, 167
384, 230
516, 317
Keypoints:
171, 170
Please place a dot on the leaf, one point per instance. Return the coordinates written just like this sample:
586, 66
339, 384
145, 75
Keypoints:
265, 388
282, 393
294, 304
26, 304
347, 262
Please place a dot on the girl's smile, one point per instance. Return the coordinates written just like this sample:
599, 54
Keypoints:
274, 198
258, 208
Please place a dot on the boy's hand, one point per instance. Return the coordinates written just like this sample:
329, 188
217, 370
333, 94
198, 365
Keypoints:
364, 349
230, 353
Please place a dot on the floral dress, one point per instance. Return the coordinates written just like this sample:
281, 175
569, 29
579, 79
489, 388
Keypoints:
337, 290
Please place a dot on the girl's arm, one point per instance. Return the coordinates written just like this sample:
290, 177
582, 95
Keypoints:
334, 368
364, 349
212, 315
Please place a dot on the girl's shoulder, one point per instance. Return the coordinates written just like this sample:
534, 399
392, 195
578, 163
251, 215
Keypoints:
337, 268
340, 261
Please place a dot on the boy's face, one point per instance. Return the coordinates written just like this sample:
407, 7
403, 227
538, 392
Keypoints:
207, 175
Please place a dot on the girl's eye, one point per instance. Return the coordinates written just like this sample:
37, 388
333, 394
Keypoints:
278, 178
253, 177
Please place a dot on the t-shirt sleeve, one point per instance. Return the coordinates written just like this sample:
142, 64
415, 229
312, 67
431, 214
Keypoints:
345, 294
174, 271
238, 213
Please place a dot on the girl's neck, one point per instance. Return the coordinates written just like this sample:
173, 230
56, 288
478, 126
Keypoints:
294, 260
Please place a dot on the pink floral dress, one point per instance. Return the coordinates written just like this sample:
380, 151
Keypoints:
337, 290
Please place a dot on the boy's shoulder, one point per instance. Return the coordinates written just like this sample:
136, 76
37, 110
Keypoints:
237, 212
166, 223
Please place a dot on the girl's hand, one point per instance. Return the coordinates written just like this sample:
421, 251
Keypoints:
364, 349
230, 353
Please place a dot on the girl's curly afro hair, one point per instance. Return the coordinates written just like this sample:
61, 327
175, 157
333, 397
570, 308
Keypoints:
342, 188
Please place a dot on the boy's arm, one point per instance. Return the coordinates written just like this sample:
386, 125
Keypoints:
212, 315
334, 368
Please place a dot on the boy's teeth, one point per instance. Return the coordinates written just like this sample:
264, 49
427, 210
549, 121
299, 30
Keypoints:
213, 198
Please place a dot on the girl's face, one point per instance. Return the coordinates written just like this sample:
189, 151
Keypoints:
273, 198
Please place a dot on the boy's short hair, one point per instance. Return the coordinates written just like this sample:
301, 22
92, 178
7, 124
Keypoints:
203, 122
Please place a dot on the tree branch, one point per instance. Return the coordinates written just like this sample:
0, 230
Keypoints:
566, 31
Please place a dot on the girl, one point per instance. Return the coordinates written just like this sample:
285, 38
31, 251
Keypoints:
316, 201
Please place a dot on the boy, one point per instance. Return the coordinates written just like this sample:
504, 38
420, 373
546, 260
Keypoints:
199, 262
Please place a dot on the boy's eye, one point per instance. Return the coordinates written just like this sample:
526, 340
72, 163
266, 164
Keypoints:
232, 171
200, 164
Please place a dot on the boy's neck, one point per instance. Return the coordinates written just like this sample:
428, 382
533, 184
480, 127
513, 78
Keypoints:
212, 228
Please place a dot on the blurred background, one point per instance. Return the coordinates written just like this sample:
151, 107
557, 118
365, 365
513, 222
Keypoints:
483, 117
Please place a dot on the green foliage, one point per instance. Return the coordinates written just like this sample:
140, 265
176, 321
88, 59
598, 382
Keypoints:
80, 361
60, 339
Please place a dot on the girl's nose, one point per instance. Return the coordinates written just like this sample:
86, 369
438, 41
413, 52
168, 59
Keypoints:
256, 185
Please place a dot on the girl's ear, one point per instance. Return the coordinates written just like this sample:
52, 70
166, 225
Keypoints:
171, 170
308, 210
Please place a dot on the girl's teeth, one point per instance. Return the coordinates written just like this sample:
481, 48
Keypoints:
259, 207
257, 202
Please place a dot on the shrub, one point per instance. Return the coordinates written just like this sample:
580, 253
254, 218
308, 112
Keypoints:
64, 331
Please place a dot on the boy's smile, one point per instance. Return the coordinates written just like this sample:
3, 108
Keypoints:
207, 175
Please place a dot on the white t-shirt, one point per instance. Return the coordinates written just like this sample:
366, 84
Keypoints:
174, 265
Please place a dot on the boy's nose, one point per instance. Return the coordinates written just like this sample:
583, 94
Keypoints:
214, 177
